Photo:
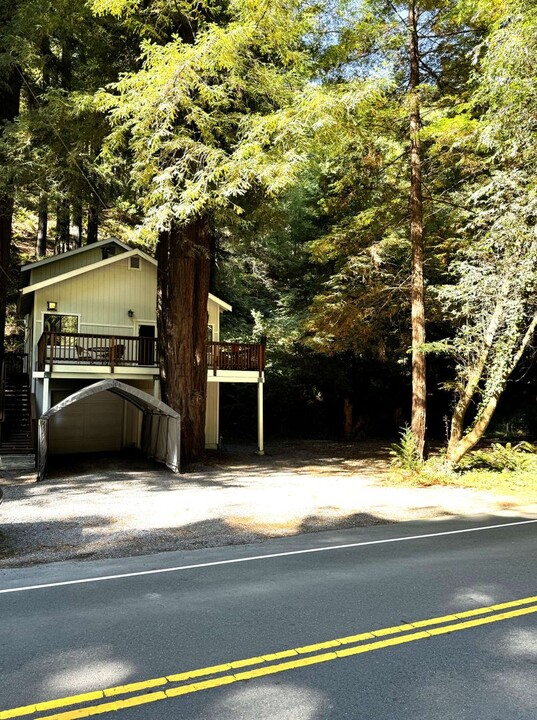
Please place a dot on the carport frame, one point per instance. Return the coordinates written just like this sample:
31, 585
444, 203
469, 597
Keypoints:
161, 441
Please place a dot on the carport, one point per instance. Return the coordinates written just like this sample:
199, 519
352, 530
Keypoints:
161, 425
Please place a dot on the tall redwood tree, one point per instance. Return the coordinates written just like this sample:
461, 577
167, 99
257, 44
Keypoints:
419, 381
198, 122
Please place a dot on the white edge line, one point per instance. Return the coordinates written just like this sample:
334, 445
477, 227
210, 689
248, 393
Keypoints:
251, 558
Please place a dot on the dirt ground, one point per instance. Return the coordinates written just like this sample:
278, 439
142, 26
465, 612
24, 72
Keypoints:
114, 506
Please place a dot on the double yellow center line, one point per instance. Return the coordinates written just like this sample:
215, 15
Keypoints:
171, 686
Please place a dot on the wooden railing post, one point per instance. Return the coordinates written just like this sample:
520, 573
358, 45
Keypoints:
112, 353
52, 346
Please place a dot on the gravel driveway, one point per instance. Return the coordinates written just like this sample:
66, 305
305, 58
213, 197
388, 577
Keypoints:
97, 507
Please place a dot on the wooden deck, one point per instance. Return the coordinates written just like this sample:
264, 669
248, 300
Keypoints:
114, 351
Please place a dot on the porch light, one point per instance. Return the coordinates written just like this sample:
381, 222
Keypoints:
130, 313
52, 305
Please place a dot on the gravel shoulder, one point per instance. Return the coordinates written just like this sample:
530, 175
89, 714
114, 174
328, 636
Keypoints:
110, 506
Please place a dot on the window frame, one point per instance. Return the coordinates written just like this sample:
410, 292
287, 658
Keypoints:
59, 314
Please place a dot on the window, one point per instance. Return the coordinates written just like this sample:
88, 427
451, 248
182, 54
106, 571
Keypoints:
53, 322
108, 251
134, 262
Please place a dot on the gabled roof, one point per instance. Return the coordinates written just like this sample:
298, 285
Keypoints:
87, 268
95, 266
223, 305
76, 251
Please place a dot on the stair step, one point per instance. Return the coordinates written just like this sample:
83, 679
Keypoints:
16, 429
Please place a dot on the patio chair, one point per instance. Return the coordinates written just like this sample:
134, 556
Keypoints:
84, 354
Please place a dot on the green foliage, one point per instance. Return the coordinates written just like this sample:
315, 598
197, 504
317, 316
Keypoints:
405, 454
63, 54
202, 117
286, 123
522, 456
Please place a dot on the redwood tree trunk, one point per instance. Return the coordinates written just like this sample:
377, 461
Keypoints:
62, 226
419, 385
93, 224
77, 223
347, 418
6, 216
42, 227
183, 255
9, 109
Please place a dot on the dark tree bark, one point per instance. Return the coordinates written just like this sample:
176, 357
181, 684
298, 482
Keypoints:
93, 224
347, 418
6, 218
183, 255
10, 90
42, 227
419, 383
62, 226
77, 223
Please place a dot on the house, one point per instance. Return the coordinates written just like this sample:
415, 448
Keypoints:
90, 315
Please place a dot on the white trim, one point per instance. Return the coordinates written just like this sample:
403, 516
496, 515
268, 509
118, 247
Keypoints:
76, 372
138, 269
136, 326
82, 324
85, 269
223, 305
123, 327
76, 251
260, 430
58, 312
235, 376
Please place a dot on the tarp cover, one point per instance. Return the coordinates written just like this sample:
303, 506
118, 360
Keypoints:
161, 428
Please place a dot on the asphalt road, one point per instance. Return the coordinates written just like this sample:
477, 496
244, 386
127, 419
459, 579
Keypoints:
85, 630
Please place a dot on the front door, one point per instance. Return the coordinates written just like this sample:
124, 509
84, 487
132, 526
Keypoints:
146, 345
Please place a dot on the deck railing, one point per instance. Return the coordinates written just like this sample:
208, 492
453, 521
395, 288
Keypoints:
236, 356
57, 348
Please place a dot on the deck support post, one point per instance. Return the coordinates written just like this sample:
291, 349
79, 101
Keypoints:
46, 393
156, 387
260, 429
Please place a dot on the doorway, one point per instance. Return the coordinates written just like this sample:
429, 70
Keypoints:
146, 345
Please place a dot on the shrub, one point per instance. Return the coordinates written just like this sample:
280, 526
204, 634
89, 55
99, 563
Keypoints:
405, 455
522, 456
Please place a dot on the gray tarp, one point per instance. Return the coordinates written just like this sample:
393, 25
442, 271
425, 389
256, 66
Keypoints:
161, 428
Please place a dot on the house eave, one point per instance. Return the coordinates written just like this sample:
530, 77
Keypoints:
86, 268
75, 251
224, 305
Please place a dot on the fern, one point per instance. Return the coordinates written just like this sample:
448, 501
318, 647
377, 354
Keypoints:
405, 454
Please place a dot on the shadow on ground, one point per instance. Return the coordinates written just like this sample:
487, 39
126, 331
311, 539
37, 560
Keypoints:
114, 505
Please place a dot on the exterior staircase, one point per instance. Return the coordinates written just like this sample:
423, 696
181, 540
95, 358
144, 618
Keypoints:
16, 425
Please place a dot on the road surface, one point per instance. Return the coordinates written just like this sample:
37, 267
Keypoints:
415, 621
